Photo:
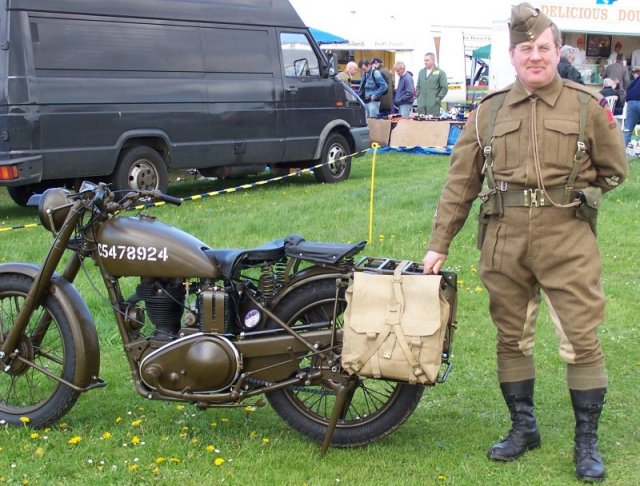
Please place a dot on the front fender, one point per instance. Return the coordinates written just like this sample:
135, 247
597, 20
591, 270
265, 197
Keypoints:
83, 329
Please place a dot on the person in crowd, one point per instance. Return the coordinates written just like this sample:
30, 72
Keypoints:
579, 55
432, 87
609, 89
535, 236
618, 71
566, 69
347, 75
617, 49
633, 105
372, 85
386, 100
405, 92
635, 58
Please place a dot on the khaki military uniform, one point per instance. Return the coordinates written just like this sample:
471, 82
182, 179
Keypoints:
529, 249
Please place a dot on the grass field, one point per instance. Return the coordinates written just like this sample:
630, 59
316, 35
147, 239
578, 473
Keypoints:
115, 437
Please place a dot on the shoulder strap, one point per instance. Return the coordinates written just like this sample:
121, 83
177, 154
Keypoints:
580, 146
496, 104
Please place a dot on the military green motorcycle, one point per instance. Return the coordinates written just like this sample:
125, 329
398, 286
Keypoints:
213, 327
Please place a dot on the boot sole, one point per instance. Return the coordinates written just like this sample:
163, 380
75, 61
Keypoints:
513, 458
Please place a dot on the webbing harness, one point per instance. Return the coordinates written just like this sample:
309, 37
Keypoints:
534, 194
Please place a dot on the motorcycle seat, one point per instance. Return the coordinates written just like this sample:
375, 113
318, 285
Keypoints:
228, 260
319, 251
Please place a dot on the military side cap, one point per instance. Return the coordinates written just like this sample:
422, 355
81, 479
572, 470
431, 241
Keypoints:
527, 23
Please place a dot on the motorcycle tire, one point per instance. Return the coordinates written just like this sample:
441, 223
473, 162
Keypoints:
47, 342
376, 407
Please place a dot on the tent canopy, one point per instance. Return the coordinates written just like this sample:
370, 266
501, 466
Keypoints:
323, 37
483, 52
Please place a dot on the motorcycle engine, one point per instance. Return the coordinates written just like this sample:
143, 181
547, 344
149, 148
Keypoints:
199, 363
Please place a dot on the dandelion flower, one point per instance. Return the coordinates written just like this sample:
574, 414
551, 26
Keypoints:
155, 470
266, 440
25, 420
224, 420
214, 424
74, 440
160, 460
442, 477
38, 452
106, 435
118, 420
210, 448
63, 426
174, 460
136, 423
133, 467
135, 440
478, 289
35, 435
179, 408
249, 408
219, 461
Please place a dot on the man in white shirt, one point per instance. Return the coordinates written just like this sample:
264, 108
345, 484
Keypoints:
579, 54
635, 58
617, 49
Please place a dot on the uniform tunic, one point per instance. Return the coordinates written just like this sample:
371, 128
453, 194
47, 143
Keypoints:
530, 249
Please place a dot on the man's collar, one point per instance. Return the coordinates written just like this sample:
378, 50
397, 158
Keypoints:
549, 94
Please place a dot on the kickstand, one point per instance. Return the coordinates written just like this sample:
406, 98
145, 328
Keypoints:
342, 393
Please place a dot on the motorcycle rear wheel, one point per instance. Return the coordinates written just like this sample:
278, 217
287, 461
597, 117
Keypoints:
376, 408
47, 342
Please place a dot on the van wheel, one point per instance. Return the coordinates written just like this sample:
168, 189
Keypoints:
141, 169
336, 160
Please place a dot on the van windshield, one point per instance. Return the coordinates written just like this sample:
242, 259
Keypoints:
300, 60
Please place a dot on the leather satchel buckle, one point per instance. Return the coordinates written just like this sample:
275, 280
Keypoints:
533, 198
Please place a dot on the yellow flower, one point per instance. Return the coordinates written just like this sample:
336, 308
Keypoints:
74, 440
133, 467
155, 470
185, 428
63, 426
219, 461
460, 282
210, 448
135, 440
474, 270
179, 408
249, 409
35, 435
266, 440
106, 435
25, 420
224, 420
136, 423
214, 424
38, 452
442, 477
174, 460
160, 460
478, 289
118, 420
182, 435
253, 435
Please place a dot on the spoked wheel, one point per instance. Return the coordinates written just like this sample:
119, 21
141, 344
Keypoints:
375, 407
47, 342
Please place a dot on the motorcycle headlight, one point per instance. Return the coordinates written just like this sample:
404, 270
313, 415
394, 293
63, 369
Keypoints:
53, 208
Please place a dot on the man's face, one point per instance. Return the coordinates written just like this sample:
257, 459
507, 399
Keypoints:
428, 62
536, 62
581, 43
364, 68
399, 70
352, 69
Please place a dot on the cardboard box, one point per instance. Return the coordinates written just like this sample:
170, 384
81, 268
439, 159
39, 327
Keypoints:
379, 131
411, 133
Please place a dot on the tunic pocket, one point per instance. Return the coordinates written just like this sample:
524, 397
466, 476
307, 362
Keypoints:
506, 144
560, 142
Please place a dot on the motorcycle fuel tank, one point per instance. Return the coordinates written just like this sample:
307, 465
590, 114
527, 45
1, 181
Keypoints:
142, 246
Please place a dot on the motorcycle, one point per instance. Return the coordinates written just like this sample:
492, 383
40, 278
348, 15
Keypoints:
212, 327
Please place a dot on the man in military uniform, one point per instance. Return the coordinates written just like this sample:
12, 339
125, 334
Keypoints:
431, 88
548, 149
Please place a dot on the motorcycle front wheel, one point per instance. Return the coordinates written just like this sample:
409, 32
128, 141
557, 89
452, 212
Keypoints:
376, 407
27, 395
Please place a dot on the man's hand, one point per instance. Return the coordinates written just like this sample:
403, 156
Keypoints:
433, 262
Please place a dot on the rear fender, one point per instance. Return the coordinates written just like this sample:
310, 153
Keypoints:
83, 329
307, 275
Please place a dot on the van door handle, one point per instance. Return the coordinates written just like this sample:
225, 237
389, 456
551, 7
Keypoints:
291, 89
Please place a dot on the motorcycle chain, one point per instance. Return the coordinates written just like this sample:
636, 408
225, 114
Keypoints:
304, 389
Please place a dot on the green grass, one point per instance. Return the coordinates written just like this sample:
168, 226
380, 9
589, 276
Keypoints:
445, 440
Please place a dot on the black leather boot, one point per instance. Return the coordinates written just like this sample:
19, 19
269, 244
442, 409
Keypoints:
587, 406
524, 434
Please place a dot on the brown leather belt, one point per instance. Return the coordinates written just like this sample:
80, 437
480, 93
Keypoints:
530, 198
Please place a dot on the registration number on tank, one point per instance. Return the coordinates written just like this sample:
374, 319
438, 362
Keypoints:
128, 252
